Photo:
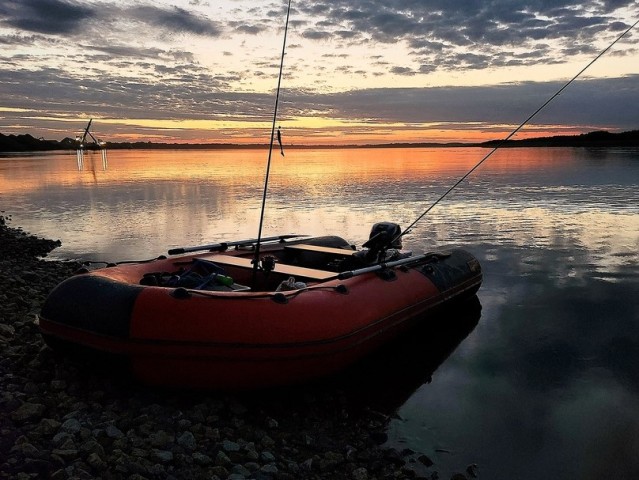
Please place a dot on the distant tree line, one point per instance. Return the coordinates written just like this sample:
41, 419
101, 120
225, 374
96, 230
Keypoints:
28, 143
591, 139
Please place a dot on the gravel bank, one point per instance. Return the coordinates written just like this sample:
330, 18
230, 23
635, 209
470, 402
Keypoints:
59, 420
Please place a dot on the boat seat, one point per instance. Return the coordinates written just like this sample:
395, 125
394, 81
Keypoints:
293, 270
319, 248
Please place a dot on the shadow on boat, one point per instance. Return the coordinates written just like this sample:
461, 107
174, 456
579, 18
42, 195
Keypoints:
384, 380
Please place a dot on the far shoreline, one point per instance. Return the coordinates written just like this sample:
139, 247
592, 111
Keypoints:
597, 139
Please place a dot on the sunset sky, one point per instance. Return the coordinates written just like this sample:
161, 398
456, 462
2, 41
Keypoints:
355, 71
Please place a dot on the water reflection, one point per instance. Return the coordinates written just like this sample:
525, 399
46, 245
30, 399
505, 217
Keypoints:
387, 379
81, 155
544, 386
548, 381
152, 201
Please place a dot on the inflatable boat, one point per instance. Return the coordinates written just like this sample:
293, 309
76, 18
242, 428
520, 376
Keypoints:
217, 317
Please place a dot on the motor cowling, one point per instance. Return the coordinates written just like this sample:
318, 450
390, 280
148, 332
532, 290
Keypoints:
384, 235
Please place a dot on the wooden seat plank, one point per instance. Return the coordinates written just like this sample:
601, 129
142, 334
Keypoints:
293, 270
321, 249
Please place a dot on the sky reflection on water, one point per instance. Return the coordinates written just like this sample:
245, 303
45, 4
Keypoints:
544, 386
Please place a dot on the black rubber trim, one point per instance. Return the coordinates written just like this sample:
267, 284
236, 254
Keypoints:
93, 303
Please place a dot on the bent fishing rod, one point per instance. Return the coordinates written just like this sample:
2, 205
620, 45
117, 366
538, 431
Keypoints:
512, 134
256, 257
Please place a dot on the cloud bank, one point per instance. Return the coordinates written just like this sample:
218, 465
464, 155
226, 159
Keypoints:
368, 62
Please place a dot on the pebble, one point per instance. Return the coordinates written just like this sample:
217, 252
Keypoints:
59, 420
360, 474
112, 431
163, 455
71, 426
187, 440
28, 411
230, 446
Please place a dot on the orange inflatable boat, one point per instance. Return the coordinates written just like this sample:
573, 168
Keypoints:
209, 317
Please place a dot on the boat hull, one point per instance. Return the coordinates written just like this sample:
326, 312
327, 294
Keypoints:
238, 340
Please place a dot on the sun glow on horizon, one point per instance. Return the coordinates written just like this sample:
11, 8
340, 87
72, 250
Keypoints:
301, 131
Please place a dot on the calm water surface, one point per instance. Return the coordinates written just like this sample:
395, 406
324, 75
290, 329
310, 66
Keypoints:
546, 385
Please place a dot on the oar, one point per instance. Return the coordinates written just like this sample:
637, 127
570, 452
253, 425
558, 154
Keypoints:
225, 245
383, 265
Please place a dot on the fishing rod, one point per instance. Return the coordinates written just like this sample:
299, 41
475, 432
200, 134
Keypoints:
521, 125
256, 258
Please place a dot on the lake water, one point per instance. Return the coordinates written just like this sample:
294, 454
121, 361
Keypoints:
545, 385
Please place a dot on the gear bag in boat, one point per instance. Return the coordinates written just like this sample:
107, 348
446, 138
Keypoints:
203, 275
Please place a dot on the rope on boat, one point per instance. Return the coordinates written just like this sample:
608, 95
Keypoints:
256, 257
521, 125
88, 263
279, 297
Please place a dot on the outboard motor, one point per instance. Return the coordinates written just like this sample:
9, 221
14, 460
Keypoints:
383, 244
388, 230
384, 235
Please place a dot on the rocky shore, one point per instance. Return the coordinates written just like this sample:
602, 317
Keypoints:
59, 420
